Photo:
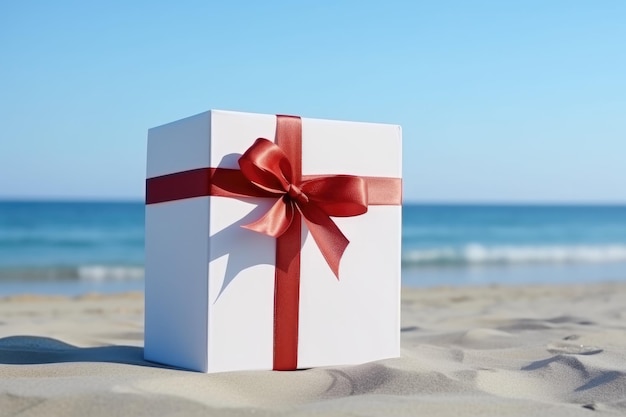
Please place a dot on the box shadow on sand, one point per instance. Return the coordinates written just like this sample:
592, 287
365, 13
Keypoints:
36, 350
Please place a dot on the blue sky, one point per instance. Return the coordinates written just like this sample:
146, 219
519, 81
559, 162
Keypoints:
500, 101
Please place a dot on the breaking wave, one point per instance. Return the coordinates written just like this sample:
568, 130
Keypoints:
476, 254
93, 273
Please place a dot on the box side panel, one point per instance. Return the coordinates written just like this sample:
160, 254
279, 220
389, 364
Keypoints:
176, 283
177, 250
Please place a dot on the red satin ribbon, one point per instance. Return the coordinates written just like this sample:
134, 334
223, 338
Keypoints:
274, 170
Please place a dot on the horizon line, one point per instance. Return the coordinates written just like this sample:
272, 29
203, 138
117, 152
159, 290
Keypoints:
63, 199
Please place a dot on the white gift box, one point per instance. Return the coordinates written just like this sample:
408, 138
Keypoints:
210, 283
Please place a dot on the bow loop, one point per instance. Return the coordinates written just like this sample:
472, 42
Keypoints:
265, 165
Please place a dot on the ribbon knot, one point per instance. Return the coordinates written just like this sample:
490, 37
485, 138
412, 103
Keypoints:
268, 168
296, 194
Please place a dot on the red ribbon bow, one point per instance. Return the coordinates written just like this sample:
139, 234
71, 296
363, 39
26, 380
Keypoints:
266, 166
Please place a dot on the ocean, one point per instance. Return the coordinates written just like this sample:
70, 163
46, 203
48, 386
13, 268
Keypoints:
72, 248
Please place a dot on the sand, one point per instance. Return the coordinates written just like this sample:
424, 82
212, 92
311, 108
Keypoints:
480, 351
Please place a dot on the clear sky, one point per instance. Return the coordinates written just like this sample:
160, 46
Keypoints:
500, 101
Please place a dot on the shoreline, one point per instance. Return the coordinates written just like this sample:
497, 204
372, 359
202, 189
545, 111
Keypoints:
422, 278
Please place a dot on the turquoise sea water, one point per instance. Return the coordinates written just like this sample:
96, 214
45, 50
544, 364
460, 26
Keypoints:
72, 248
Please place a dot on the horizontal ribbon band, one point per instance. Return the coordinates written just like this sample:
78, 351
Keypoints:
226, 182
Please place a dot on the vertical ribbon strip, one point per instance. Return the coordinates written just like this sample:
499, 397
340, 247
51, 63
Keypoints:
287, 273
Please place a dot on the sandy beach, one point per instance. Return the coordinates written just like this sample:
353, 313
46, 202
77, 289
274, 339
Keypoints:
470, 351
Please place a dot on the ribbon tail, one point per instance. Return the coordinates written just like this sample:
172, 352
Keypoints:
330, 240
276, 221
